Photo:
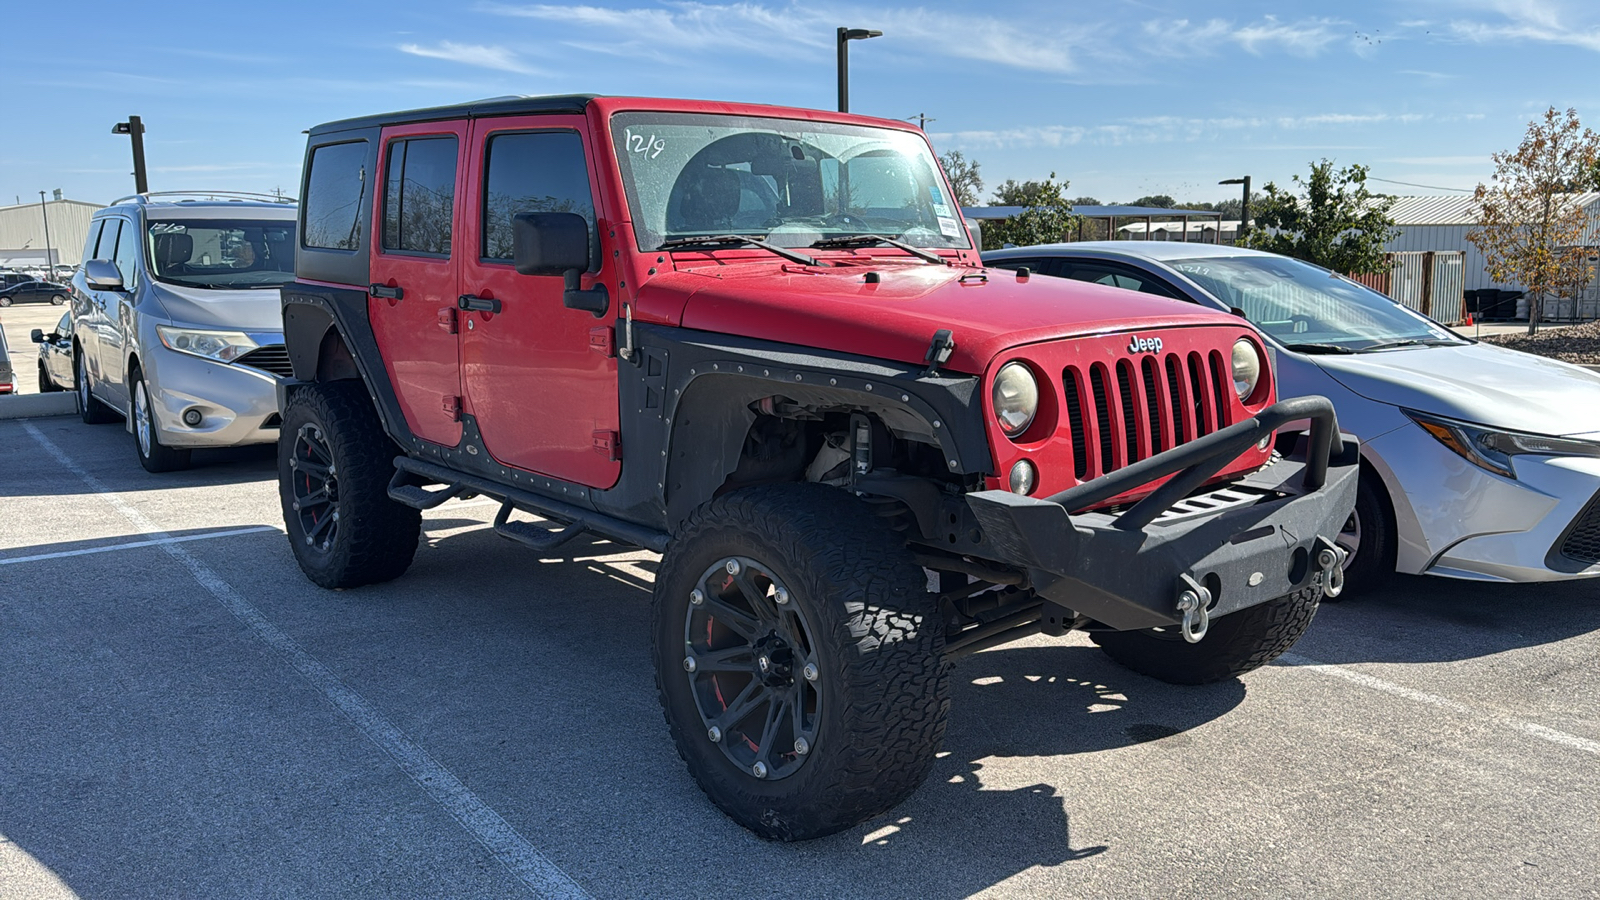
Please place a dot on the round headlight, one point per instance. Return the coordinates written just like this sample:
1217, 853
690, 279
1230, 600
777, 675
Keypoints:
1016, 398
1246, 367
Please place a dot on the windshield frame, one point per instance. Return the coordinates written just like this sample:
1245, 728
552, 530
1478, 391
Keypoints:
952, 235
191, 223
1430, 333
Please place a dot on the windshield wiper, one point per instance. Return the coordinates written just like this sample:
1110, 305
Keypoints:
1412, 342
712, 240
867, 240
1317, 348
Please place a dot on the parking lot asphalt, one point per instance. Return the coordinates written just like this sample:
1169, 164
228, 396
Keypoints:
182, 714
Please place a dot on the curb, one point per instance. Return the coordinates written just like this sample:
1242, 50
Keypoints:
25, 406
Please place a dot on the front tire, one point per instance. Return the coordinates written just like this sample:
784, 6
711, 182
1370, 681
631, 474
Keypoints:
1237, 643
334, 466
818, 693
1369, 539
47, 385
153, 455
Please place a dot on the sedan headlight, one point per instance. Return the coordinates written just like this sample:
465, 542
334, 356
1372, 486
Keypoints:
1493, 450
222, 346
1016, 398
1246, 367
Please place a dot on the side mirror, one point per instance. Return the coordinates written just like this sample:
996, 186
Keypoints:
103, 275
557, 244
36, 335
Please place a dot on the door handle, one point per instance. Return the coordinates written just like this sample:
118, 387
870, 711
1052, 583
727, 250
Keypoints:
478, 304
386, 292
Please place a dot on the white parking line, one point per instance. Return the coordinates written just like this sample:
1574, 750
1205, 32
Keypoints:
478, 818
1532, 729
129, 545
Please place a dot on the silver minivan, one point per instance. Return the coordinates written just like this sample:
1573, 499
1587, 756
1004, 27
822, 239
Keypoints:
177, 328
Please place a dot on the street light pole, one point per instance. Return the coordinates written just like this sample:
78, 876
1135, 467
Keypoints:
49, 260
134, 128
846, 35
1244, 207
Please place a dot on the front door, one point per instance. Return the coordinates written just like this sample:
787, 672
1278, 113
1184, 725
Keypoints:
413, 299
544, 395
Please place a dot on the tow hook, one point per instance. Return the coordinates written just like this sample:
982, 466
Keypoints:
1330, 559
1194, 601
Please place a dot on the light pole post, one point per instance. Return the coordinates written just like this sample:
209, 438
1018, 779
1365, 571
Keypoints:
49, 257
134, 128
1244, 208
845, 36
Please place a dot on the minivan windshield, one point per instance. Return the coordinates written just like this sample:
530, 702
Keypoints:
1310, 308
786, 181
222, 254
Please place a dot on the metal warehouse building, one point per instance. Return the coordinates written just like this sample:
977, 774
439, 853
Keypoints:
22, 232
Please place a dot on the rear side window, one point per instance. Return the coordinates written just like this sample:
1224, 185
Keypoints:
540, 171
127, 254
419, 195
336, 188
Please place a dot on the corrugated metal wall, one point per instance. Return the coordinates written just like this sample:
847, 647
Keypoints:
23, 226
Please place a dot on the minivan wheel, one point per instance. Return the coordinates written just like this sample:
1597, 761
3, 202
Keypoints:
334, 466
799, 660
153, 455
92, 411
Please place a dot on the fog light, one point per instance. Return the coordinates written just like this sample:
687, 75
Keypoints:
1023, 478
192, 417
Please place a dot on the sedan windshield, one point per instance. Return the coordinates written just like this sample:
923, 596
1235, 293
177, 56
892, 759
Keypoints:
1309, 308
786, 181
231, 255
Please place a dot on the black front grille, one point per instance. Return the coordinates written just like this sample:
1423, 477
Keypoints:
1583, 541
272, 359
1193, 396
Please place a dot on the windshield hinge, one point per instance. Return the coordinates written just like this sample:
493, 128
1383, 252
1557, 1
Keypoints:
939, 350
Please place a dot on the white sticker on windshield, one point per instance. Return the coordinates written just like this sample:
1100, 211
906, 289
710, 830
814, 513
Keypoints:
949, 227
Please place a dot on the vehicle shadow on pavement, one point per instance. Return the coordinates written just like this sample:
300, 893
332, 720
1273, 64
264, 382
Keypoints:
1425, 619
108, 453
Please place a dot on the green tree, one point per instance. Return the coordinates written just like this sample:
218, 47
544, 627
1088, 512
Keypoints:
1530, 223
964, 177
1046, 218
1159, 201
1335, 223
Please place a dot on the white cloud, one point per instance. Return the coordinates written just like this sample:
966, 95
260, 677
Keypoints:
1306, 37
1540, 21
479, 55
1167, 129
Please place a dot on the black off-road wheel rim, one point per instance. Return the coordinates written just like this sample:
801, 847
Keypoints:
315, 484
750, 658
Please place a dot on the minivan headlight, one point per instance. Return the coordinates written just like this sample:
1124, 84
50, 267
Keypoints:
1246, 367
1493, 450
222, 346
1016, 398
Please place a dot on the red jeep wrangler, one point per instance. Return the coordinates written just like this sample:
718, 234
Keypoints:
760, 342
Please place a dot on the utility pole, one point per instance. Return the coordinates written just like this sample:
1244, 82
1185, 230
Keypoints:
922, 120
134, 128
49, 257
846, 35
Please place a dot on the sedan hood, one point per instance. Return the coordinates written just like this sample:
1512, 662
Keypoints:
1477, 383
892, 311
249, 310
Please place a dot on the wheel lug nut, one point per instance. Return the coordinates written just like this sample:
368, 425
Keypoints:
697, 597
715, 734
781, 595
336, 515
810, 671
295, 506
759, 770
689, 664
802, 746
732, 567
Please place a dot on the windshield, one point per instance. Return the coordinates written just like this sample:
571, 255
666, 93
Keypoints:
787, 181
1301, 304
222, 254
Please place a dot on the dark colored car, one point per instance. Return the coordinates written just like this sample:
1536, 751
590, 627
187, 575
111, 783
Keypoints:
35, 292
55, 356
8, 380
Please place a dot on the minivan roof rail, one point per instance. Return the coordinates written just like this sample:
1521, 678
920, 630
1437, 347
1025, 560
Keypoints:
234, 196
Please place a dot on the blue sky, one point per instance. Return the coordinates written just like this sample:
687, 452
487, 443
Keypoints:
1122, 97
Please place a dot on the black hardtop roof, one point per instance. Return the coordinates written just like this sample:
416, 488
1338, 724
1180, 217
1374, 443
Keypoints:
494, 106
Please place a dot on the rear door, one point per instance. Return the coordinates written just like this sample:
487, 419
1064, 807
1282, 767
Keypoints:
414, 273
543, 393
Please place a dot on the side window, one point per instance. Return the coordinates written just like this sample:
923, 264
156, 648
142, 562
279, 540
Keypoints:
1036, 266
540, 171
92, 244
1116, 276
128, 254
336, 192
419, 195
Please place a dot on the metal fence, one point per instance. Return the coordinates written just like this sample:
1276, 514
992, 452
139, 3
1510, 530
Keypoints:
1428, 281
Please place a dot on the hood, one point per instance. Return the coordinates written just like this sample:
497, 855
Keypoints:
837, 308
1477, 383
253, 310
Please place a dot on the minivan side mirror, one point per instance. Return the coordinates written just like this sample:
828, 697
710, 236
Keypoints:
103, 275
557, 244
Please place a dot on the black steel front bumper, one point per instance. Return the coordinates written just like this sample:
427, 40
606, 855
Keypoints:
1249, 542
